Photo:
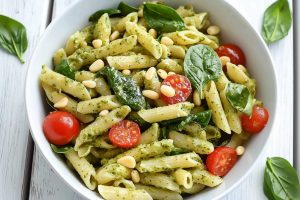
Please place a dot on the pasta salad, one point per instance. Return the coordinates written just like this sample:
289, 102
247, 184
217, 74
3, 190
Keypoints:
148, 104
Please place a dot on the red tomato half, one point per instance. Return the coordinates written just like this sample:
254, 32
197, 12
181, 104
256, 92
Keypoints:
60, 127
232, 51
125, 134
182, 87
257, 121
221, 160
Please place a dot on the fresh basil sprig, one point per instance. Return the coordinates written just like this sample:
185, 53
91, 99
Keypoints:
277, 21
201, 64
65, 69
162, 18
111, 12
13, 37
281, 181
240, 97
126, 9
62, 149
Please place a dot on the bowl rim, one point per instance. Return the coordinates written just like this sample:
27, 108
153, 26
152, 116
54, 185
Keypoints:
56, 169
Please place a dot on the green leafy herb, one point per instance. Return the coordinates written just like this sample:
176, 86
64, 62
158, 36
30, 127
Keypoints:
126, 9
13, 37
240, 97
177, 151
65, 69
281, 181
125, 88
162, 18
277, 21
201, 118
133, 116
201, 64
111, 12
164, 133
62, 149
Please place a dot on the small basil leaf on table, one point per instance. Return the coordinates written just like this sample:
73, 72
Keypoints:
111, 12
126, 9
281, 180
62, 149
65, 69
125, 88
162, 18
201, 64
240, 97
13, 37
277, 21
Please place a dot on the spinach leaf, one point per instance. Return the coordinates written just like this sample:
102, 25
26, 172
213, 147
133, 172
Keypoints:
125, 88
126, 9
62, 149
281, 180
65, 69
240, 97
111, 12
162, 18
277, 21
201, 118
201, 64
13, 37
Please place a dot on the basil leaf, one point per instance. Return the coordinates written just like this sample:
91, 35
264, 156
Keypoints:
201, 64
125, 88
65, 69
240, 97
126, 9
176, 151
201, 118
277, 21
62, 149
162, 18
164, 133
281, 180
111, 12
13, 37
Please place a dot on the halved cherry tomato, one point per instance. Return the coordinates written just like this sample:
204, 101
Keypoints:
232, 51
182, 87
125, 134
221, 160
60, 127
257, 121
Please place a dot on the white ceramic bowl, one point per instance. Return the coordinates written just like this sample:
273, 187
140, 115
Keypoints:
234, 28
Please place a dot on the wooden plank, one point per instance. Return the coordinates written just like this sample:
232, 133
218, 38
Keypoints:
15, 138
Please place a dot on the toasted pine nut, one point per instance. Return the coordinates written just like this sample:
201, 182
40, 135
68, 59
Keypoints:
153, 33
115, 35
171, 73
213, 30
135, 176
150, 94
150, 73
242, 67
96, 66
196, 98
167, 90
166, 41
126, 72
62, 103
224, 60
162, 73
127, 161
103, 112
240, 150
97, 43
89, 83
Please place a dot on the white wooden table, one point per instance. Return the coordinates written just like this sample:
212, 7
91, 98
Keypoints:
24, 174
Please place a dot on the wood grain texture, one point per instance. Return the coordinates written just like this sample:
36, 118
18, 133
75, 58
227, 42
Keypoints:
45, 184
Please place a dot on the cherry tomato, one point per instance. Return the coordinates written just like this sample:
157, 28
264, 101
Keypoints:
125, 134
232, 51
60, 127
221, 160
182, 87
257, 121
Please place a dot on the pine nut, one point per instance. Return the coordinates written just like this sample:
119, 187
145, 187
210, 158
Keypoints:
150, 73
213, 30
97, 43
115, 35
162, 73
135, 176
89, 83
126, 72
103, 112
166, 41
242, 67
196, 98
96, 66
127, 161
224, 60
150, 94
167, 90
153, 33
171, 73
240, 150
62, 103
